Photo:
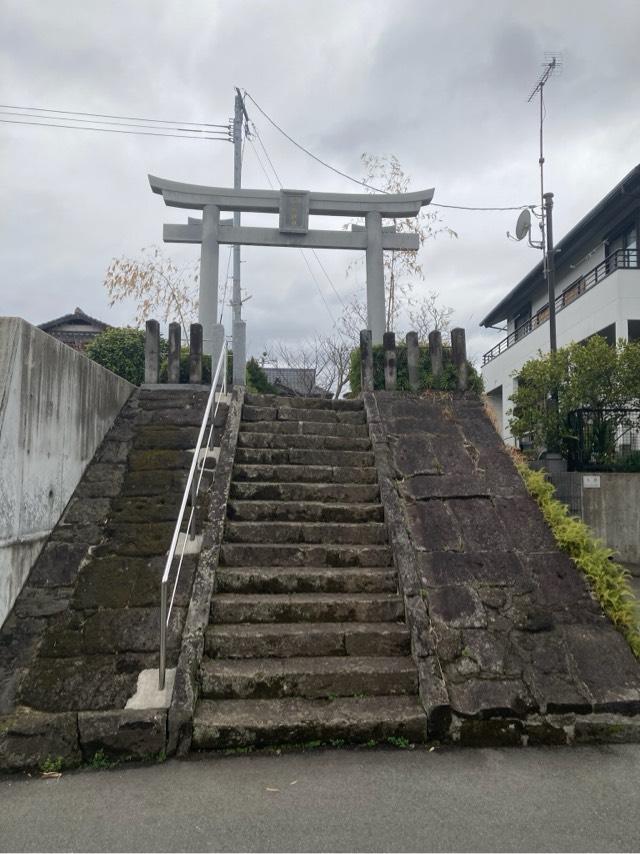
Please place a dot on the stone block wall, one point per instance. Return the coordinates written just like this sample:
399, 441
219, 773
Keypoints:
512, 646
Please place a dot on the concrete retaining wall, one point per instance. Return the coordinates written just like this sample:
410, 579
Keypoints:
609, 503
55, 408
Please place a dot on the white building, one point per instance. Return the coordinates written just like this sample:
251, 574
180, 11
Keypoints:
597, 292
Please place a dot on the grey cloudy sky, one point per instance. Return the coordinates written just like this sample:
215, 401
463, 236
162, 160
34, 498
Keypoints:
443, 86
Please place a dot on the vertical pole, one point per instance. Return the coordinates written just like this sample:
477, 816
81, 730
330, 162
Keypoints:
551, 271
459, 356
366, 361
551, 294
238, 327
212, 331
173, 360
239, 352
390, 363
152, 352
435, 354
195, 353
375, 277
163, 635
413, 360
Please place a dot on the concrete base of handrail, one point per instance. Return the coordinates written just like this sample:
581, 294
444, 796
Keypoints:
185, 696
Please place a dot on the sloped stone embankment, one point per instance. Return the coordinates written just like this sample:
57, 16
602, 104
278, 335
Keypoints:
511, 646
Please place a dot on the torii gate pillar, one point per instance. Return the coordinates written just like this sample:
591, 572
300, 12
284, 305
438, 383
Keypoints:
212, 331
375, 276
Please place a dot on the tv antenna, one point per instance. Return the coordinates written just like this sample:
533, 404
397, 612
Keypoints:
552, 64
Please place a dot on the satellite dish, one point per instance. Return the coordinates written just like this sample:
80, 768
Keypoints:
523, 226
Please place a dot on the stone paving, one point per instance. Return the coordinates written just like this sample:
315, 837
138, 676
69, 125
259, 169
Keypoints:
513, 644
86, 623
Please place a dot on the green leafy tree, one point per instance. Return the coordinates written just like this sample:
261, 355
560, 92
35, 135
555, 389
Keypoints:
583, 375
121, 350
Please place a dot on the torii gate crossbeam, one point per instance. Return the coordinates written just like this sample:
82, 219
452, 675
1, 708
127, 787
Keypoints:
294, 208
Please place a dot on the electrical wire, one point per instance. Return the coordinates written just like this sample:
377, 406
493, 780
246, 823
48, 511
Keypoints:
364, 183
304, 257
313, 251
114, 130
109, 116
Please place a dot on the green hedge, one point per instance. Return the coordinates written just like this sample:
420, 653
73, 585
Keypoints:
608, 580
447, 381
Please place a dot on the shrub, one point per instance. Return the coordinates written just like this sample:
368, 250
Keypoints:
447, 381
608, 580
257, 381
121, 350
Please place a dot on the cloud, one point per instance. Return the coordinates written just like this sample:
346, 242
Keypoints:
444, 86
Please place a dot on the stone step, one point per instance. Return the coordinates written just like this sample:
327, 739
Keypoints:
220, 724
161, 397
306, 428
288, 640
303, 457
321, 492
305, 474
291, 413
305, 579
305, 532
303, 554
306, 607
271, 400
284, 440
313, 678
303, 511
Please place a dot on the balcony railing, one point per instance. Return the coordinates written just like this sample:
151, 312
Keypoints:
621, 259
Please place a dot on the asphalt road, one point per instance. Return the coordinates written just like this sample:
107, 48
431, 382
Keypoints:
560, 799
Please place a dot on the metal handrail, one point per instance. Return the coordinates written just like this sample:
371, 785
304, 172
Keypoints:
191, 489
621, 259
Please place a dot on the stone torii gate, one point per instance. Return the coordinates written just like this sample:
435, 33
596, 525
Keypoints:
294, 208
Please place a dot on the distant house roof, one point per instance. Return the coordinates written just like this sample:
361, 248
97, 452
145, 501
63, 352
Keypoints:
78, 318
299, 382
606, 215
77, 329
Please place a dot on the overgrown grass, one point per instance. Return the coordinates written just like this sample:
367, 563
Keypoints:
608, 580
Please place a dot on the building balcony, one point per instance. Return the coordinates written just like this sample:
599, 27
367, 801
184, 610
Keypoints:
620, 260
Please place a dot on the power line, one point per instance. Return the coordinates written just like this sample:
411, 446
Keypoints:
313, 251
364, 183
109, 116
107, 122
113, 130
304, 257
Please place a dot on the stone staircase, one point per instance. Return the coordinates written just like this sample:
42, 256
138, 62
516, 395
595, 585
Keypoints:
307, 640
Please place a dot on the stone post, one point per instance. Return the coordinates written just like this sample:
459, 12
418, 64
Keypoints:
366, 361
152, 352
212, 331
375, 277
413, 360
239, 352
435, 353
173, 361
459, 356
195, 353
390, 362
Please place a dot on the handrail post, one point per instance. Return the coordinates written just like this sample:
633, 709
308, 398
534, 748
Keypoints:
163, 634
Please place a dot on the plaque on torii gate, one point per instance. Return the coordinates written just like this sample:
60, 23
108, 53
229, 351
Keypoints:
294, 208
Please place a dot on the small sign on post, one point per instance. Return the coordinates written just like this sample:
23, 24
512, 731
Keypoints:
294, 211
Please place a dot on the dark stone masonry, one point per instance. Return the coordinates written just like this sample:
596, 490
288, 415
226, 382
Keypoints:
371, 570
86, 622
513, 647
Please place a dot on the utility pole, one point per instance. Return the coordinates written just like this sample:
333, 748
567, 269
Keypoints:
550, 270
239, 331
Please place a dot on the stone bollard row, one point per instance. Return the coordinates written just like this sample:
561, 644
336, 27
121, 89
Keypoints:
458, 357
152, 353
